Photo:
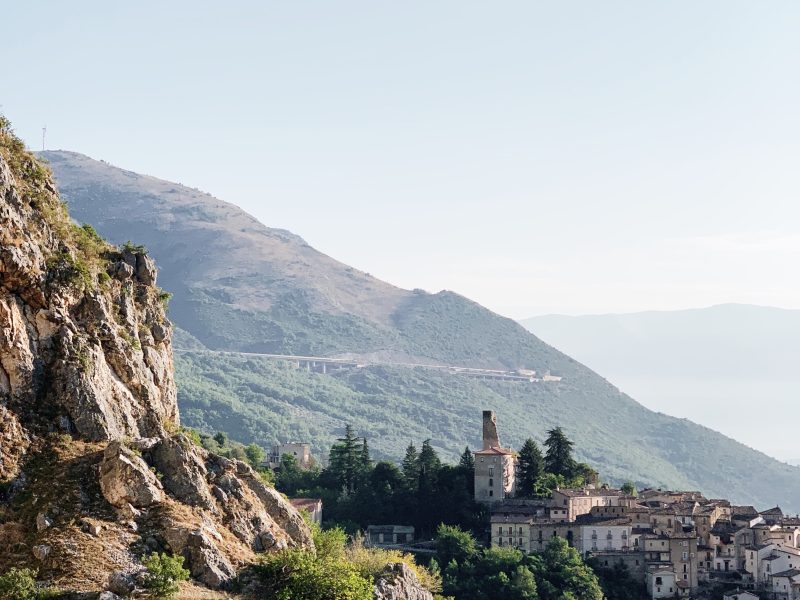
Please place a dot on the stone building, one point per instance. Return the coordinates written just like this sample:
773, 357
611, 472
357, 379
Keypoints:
495, 466
301, 451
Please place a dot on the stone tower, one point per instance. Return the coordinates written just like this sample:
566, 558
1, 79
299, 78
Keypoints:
495, 466
491, 439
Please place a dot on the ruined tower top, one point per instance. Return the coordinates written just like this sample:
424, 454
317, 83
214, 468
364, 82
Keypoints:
491, 439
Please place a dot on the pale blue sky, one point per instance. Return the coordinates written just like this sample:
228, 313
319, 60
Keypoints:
538, 157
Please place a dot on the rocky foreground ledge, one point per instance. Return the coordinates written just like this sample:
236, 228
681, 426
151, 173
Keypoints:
94, 471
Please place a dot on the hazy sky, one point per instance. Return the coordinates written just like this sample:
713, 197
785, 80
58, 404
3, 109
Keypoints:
538, 157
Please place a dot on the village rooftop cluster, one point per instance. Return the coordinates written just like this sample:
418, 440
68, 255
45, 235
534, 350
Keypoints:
674, 542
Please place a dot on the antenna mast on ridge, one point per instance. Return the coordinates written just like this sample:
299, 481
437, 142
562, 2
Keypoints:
44, 131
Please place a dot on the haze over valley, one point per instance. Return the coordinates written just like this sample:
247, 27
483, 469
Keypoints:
712, 365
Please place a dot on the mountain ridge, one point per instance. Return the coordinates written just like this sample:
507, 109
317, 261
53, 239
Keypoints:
235, 295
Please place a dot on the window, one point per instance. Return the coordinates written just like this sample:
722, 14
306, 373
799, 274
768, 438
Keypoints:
520, 541
659, 581
491, 471
685, 556
520, 530
510, 530
491, 492
491, 482
500, 530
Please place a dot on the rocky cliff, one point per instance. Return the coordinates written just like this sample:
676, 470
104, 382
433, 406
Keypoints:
94, 470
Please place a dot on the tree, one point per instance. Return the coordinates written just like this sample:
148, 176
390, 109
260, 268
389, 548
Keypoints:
345, 460
411, 468
221, 438
618, 583
429, 461
289, 476
365, 462
523, 585
467, 460
255, 455
531, 468
558, 458
164, 574
454, 544
629, 489
564, 573
583, 474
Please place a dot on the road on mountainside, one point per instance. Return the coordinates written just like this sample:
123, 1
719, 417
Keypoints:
324, 364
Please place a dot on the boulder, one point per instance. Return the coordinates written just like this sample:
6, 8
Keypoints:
121, 583
108, 596
126, 479
146, 271
204, 559
184, 469
280, 510
121, 270
399, 582
41, 552
43, 522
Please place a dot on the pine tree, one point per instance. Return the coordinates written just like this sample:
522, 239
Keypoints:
429, 461
345, 460
366, 463
467, 460
411, 467
558, 459
531, 468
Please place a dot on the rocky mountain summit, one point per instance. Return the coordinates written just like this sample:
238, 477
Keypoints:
95, 472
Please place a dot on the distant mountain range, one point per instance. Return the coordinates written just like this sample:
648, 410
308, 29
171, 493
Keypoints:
241, 286
713, 365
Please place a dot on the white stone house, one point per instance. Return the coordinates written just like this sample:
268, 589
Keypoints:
606, 536
786, 585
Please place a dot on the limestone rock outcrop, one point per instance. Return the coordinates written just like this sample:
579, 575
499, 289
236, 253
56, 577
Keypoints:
399, 582
125, 479
89, 425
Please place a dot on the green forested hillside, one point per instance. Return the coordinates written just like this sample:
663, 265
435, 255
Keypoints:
255, 399
239, 285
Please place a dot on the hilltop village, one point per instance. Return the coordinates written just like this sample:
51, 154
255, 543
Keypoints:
676, 543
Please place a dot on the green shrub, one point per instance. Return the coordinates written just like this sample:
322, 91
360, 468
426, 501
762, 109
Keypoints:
299, 575
135, 248
65, 268
164, 297
18, 584
164, 574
